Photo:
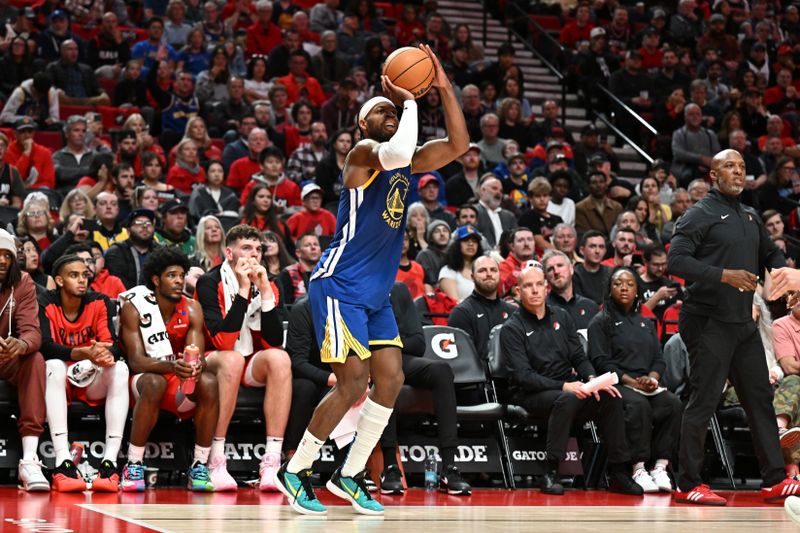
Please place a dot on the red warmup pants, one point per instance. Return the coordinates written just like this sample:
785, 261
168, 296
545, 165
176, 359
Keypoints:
26, 373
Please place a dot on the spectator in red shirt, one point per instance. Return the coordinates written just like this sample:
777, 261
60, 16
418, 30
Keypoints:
245, 167
408, 29
577, 30
285, 192
262, 213
651, 51
302, 25
782, 96
187, 170
409, 271
264, 35
299, 83
33, 161
312, 218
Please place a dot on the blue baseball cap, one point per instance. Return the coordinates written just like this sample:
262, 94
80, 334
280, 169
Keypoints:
58, 14
463, 232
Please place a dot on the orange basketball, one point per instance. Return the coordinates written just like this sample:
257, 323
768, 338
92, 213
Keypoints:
411, 69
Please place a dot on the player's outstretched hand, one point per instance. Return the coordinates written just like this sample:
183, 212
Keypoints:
740, 279
440, 79
396, 94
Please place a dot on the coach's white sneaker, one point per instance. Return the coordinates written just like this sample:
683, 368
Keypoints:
661, 479
792, 507
31, 477
220, 477
267, 470
643, 479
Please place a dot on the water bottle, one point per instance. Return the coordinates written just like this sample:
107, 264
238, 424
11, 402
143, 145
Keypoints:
191, 355
431, 472
76, 453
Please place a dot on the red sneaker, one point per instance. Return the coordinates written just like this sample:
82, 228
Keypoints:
776, 493
66, 478
700, 495
107, 479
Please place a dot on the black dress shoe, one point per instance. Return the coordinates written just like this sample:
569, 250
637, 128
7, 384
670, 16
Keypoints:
550, 485
622, 483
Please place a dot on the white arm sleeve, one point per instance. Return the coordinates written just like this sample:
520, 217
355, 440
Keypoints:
399, 150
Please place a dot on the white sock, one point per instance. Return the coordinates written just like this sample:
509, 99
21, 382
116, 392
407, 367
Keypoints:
306, 453
29, 445
201, 454
135, 453
217, 448
274, 444
637, 467
55, 399
661, 464
117, 400
369, 429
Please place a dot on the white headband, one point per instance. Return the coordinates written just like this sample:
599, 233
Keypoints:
369, 104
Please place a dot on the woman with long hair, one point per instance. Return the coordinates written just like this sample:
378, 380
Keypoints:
35, 221
455, 277
78, 202
646, 232
512, 125
372, 60
431, 117
463, 35
512, 89
659, 214
197, 131
622, 341
186, 172
212, 84
778, 187
730, 122
210, 242
30, 261
16, 66
367, 15
261, 213
489, 96
330, 167
194, 57
145, 197
275, 257
256, 82
213, 197
409, 28
153, 176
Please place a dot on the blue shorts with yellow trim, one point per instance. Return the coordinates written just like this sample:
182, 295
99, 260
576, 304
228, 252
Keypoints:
343, 328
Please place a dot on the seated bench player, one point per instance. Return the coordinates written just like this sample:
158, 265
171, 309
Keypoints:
239, 306
157, 323
82, 363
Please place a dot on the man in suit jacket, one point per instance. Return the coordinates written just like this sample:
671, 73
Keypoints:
493, 220
597, 211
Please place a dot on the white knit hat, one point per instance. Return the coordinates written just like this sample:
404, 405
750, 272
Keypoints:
7, 242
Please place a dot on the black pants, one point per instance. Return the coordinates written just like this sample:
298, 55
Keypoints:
717, 351
436, 376
306, 395
564, 410
652, 424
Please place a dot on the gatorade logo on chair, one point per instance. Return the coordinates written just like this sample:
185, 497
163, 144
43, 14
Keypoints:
444, 345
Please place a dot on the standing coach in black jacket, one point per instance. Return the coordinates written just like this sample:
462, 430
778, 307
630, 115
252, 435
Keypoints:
720, 247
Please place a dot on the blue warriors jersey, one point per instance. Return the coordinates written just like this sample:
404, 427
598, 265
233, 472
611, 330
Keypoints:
361, 262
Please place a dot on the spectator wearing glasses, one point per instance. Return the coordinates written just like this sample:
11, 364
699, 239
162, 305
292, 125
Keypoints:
35, 220
125, 259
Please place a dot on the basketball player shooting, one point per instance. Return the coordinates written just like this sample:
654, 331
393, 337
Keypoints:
349, 289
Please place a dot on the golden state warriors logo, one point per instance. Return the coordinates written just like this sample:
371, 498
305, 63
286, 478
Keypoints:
396, 200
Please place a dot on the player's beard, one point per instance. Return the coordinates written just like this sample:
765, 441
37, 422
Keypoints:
380, 135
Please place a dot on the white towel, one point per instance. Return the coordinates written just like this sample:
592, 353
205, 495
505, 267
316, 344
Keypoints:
151, 324
252, 320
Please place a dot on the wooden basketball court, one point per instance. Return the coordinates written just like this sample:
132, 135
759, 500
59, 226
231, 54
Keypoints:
485, 511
